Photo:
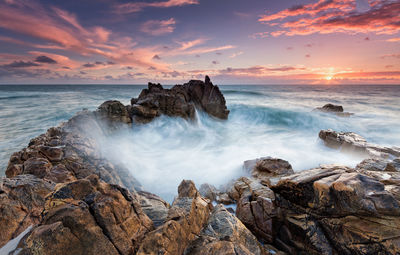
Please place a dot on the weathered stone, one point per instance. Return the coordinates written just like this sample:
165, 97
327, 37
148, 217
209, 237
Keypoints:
335, 109
266, 168
114, 111
39, 167
52, 153
374, 164
154, 207
103, 218
350, 142
22, 199
208, 191
186, 218
225, 234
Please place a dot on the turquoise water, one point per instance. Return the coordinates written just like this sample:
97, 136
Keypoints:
264, 121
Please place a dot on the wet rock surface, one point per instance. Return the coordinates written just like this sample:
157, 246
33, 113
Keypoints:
334, 109
350, 142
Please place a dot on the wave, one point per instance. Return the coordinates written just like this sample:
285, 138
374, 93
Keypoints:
242, 92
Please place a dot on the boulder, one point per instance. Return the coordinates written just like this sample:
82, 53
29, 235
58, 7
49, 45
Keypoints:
266, 168
113, 111
208, 191
89, 216
225, 234
374, 164
179, 101
350, 142
186, 218
22, 199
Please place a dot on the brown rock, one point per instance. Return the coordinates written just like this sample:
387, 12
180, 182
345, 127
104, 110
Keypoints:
186, 218
154, 207
208, 191
225, 234
103, 218
335, 109
22, 200
52, 153
39, 167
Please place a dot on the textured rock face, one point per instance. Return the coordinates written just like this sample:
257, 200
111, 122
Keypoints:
353, 143
179, 101
154, 207
22, 199
114, 113
89, 216
186, 218
335, 210
225, 234
70, 152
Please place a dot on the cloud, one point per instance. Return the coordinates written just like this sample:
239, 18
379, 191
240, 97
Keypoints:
308, 56
333, 16
236, 54
391, 55
215, 62
45, 59
158, 27
20, 64
396, 39
139, 6
156, 57
189, 44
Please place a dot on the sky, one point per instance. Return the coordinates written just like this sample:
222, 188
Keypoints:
173, 41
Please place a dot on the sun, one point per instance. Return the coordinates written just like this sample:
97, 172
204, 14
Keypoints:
328, 78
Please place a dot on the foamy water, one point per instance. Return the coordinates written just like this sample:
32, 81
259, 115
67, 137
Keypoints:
264, 121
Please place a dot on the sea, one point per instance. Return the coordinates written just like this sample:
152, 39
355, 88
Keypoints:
270, 120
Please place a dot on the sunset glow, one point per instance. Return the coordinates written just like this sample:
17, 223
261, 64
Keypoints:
132, 42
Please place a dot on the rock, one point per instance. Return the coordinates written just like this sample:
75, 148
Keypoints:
255, 207
335, 109
22, 199
179, 101
266, 168
154, 207
208, 191
114, 111
51, 153
186, 218
336, 210
374, 164
350, 142
89, 216
225, 234
39, 167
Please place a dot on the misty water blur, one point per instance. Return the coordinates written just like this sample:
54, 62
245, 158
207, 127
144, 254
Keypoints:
264, 121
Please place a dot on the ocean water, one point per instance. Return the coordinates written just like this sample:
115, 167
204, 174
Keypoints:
264, 121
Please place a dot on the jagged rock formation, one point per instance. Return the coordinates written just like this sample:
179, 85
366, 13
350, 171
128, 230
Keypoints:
179, 101
350, 142
89, 216
334, 109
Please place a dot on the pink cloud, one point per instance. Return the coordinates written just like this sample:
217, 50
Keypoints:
158, 27
331, 16
139, 6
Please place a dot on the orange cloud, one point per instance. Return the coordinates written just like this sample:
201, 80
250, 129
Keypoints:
331, 16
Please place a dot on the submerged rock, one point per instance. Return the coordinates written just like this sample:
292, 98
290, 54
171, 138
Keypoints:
266, 168
179, 101
335, 109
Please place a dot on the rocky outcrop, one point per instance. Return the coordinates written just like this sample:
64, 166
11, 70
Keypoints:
186, 218
70, 152
179, 101
350, 142
225, 234
334, 109
335, 210
22, 199
89, 216
375, 164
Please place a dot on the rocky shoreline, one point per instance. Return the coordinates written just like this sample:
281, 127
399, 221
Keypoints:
61, 196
